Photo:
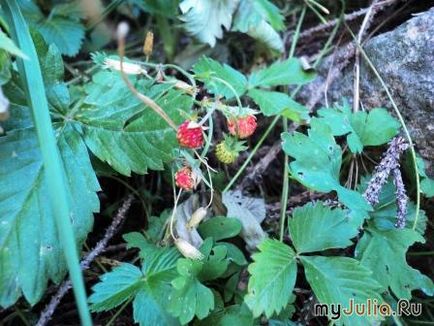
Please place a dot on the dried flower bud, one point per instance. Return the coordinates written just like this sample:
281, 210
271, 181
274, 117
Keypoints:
185, 87
188, 250
129, 68
401, 199
149, 44
196, 218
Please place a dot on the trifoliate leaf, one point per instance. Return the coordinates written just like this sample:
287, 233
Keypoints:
286, 72
62, 26
272, 280
9, 46
316, 227
212, 73
220, 227
150, 304
317, 165
274, 103
190, 297
204, 19
372, 128
250, 212
30, 251
337, 280
116, 287
122, 131
383, 252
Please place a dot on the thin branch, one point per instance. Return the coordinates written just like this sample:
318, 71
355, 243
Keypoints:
48, 312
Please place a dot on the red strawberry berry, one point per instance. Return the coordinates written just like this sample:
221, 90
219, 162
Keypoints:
242, 127
190, 134
184, 179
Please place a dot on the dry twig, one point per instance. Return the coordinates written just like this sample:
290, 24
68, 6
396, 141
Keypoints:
48, 312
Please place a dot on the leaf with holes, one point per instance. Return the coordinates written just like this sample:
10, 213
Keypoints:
317, 165
272, 280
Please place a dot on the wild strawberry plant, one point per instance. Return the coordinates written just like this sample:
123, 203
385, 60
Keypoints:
208, 258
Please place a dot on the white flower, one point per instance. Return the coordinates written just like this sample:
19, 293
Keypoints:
129, 68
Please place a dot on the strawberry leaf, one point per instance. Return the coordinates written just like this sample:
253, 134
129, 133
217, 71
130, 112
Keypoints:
272, 280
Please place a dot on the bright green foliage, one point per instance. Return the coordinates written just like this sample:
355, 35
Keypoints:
206, 68
116, 287
150, 287
286, 72
62, 27
337, 280
215, 264
260, 19
317, 165
204, 18
372, 128
229, 316
272, 280
122, 131
234, 254
383, 252
190, 297
30, 251
9, 46
274, 103
220, 227
426, 183
315, 227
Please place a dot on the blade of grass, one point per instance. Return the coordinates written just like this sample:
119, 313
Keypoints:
285, 187
30, 73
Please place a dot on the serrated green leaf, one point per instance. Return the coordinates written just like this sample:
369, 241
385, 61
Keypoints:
9, 46
122, 131
316, 227
260, 19
146, 311
337, 280
274, 103
207, 68
322, 172
30, 251
190, 297
383, 252
272, 280
372, 128
286, 72
204, 19
136, 240
116, 287
220, 227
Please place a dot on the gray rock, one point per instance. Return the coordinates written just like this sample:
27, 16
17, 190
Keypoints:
404, 58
